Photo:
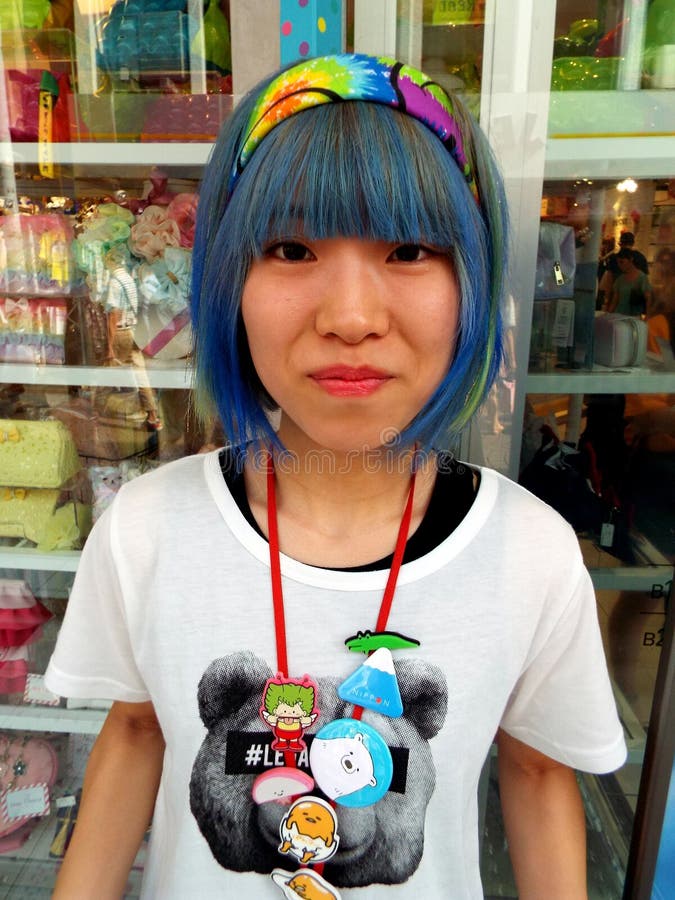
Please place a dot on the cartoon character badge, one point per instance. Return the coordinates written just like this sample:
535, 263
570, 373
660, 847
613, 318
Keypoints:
308, 831
351, 763
304, 885
289, 707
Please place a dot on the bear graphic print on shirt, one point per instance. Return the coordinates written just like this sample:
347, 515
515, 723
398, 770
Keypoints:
383, 843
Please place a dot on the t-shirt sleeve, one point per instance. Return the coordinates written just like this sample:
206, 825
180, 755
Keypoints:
94, 657
563, 703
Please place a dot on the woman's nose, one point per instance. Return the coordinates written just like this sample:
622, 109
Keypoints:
352, 306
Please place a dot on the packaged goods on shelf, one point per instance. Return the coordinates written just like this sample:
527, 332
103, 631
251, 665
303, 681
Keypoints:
23, 106
28, 771
39, 73
136, 41
139, 41
32, 330
620, 340
37, 461
66, 818
36, 255
39, 516
21, 621
36, 454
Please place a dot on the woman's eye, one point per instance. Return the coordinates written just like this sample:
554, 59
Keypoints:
290, 251
409, 253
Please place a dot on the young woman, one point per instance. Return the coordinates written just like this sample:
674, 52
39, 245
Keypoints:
631, 291
348, 271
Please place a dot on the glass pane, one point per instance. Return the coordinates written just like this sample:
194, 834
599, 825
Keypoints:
606, 246
117, 71
632, 628
606, 462
43, 739
159, 74
609, 46
450, 42
98, 274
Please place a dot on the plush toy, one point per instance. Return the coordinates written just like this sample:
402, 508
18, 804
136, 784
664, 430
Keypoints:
379, 843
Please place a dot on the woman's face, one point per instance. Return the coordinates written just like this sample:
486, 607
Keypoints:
349, 337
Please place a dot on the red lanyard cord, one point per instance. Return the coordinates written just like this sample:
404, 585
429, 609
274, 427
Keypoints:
275, 569
277, 588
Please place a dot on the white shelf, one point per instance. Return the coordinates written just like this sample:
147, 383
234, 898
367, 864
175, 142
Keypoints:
52, 718
630, 578
573, 156
29, 559
610, 157
601, 380
177, 376
110, 154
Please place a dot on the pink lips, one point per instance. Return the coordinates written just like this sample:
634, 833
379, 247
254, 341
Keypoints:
348, 381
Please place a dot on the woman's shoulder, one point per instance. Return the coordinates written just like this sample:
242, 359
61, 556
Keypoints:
169, 485
523, 513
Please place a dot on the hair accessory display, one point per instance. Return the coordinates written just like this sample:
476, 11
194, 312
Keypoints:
153, 297
183, 210
153, 232
167, 280
348, 77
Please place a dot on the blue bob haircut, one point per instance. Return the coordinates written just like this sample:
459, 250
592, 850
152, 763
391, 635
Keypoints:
354, 169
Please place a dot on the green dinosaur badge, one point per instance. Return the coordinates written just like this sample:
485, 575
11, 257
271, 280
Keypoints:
369, 641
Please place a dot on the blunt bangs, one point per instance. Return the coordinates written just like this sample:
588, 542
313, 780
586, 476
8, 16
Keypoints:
351, 169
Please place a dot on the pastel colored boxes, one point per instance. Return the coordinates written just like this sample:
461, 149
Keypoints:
37, 459
35, 254
36, 454
32, 330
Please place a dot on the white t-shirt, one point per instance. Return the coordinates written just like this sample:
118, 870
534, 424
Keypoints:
174, 583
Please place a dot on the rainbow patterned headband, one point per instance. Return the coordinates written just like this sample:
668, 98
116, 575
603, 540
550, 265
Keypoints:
354, 76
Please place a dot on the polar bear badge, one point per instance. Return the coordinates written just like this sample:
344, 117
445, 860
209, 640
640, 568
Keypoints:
351, 763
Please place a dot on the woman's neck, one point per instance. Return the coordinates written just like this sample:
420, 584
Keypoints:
339, 509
